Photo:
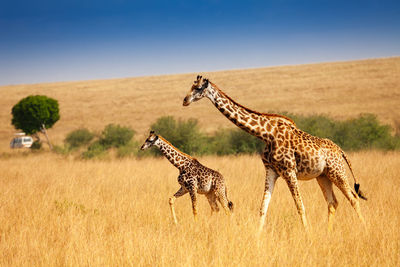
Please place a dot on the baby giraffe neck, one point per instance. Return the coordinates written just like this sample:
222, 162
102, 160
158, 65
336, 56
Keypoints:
174, 155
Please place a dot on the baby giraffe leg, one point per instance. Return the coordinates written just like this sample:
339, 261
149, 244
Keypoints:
179, 193
193, 196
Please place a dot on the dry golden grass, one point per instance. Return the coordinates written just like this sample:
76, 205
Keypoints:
57, 211
340, 90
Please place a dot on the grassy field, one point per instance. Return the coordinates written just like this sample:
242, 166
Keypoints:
57, 211
341, 90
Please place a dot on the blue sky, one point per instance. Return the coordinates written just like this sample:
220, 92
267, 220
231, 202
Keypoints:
46, 41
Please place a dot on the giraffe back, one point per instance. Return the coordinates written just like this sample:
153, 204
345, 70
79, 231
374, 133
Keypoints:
204, 179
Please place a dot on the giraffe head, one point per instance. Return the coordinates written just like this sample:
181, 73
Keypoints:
197, 92
149, 141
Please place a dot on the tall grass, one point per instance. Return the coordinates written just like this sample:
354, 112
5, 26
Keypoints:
57, 211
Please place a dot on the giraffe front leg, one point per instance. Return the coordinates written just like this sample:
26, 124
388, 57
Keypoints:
179, 193
291, 180
270, 180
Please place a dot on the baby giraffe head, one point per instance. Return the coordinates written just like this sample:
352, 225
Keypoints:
150, 141
197, 92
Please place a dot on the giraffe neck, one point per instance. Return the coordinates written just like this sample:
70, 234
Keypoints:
261, 125
174, 155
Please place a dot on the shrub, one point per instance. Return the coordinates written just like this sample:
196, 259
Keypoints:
116, 136
221, 143
235, 141
79, 137
128, 150
185, 135
96, 149
317, 125
364, 132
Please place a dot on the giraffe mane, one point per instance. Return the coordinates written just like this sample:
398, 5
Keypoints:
250, 110
162, 138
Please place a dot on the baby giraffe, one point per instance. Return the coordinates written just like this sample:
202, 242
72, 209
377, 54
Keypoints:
193, 177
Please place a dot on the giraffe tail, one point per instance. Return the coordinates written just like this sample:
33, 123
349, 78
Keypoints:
356, 185
359, 192
230, 205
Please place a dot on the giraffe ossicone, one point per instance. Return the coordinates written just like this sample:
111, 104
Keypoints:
289, 153
194, 178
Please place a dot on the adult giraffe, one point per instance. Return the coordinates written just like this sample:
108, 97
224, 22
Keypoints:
290, 153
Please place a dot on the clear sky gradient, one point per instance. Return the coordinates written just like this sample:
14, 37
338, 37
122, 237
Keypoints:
47, 40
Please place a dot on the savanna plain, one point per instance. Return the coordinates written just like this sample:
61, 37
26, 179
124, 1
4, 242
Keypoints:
63, 211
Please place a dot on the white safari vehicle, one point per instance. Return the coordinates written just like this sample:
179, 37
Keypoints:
21, 140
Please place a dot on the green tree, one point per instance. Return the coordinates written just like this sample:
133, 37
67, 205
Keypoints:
34, 114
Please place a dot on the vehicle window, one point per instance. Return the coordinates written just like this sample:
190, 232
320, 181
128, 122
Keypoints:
27, 139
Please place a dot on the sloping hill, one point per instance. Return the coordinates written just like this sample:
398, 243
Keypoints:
339, 89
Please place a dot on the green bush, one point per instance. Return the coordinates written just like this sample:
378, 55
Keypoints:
128, 150
317, 125
116, 136
364, 132
96, 149
185, 135
113, 136
220, 143
79, 137
235, 141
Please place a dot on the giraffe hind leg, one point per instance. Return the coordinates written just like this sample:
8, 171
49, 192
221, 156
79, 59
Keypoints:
212, 200
221, 196
326, 188
340, 180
